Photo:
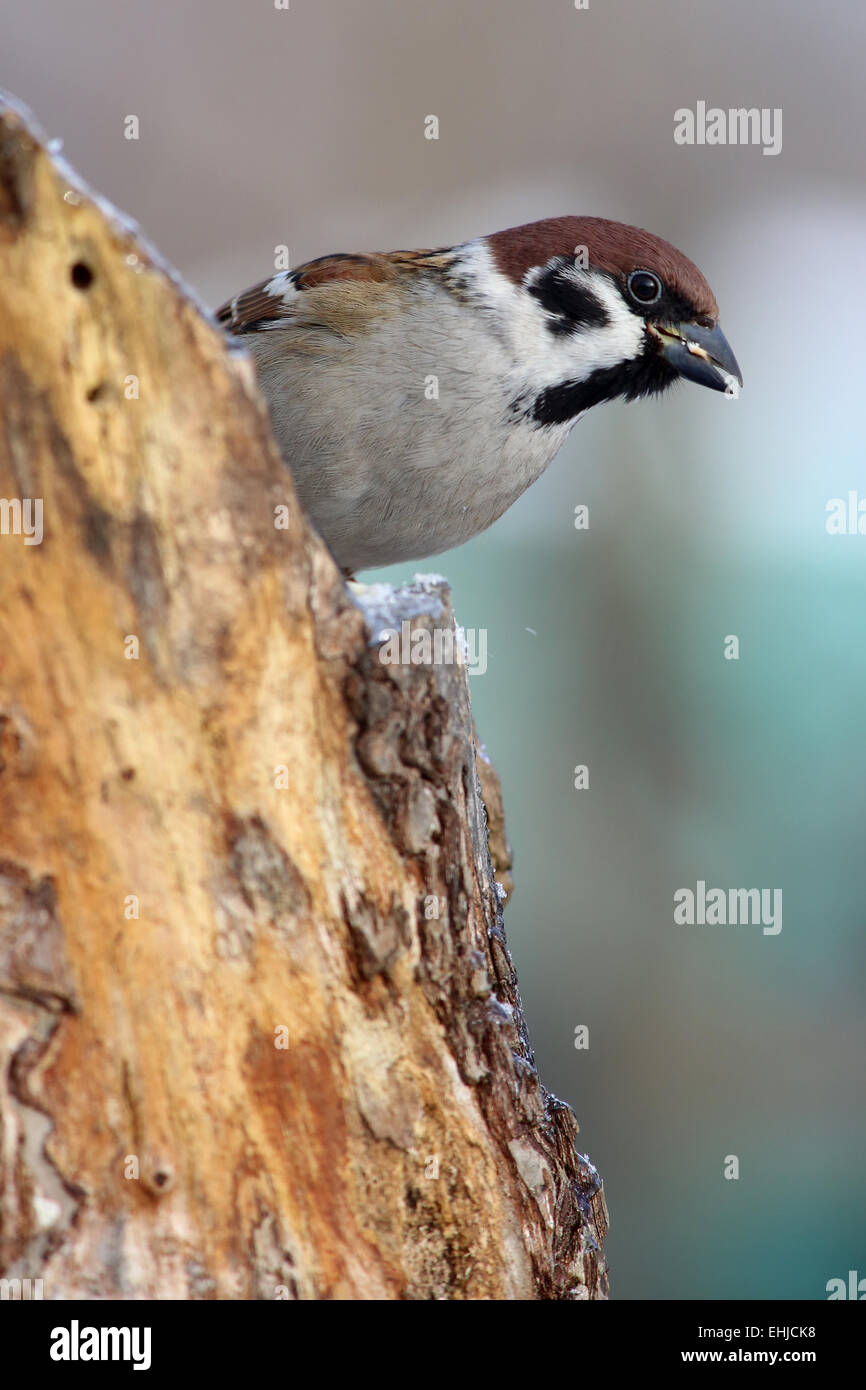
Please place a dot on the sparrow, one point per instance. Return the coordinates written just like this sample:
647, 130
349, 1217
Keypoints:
415, 395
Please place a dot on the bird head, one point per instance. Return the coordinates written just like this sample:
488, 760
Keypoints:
602, 310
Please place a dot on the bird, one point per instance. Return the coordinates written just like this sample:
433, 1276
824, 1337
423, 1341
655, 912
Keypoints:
415, 395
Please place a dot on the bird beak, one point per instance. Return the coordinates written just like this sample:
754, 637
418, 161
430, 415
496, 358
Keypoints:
702, 354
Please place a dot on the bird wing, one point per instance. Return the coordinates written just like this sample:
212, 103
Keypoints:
285, 298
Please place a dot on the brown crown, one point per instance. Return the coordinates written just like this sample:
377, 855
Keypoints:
611, 246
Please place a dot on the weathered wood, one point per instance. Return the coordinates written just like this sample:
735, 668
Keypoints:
259, 1028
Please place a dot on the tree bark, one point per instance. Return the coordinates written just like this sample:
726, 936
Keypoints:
260, 1030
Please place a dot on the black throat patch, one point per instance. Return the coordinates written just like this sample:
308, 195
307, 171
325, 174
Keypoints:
648, 374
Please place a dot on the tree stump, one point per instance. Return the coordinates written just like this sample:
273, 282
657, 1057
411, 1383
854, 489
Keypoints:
260, 1031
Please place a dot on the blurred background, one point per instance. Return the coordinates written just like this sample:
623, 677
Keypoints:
304, 127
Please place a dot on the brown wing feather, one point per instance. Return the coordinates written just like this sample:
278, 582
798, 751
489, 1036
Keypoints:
250, 308
270, 300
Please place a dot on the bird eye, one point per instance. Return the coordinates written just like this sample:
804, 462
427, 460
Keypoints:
645, 287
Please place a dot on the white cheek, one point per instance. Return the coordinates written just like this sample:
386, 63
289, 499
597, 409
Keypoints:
575, 356
617, 341
543, 358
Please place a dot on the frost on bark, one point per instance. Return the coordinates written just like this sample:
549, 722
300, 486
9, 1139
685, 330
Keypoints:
259, 1027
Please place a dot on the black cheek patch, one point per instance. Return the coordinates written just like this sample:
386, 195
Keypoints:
573, 306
